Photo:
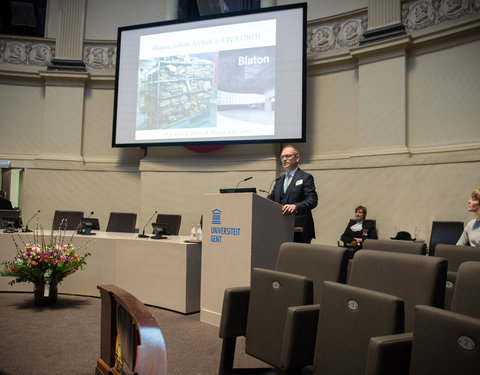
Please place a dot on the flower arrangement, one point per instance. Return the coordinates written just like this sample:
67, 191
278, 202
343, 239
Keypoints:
44, 262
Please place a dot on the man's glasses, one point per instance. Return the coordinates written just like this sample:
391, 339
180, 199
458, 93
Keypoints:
287, 156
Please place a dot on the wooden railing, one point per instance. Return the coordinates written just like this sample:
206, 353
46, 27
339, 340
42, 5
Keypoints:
131, 340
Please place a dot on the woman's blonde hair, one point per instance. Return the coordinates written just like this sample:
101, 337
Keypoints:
476, 194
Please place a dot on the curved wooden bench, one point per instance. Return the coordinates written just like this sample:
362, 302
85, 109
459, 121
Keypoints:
130, 336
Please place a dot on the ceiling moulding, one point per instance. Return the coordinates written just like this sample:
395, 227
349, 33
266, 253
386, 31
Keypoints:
382, 50
474, 146
64, 78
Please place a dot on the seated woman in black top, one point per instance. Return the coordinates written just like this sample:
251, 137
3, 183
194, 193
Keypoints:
359, 229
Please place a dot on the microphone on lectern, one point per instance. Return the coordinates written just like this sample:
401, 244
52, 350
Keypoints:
143, 235
270, 187
26, 225
245, 179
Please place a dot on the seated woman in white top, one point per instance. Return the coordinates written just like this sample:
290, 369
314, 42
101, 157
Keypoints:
471, 233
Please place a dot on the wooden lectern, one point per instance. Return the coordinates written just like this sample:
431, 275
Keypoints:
240, 231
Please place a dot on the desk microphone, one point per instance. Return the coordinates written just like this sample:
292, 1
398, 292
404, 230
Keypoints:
143, 235
270, 187
91, 213
245, 179
26, 226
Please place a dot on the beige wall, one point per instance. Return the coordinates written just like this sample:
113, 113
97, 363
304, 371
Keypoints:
411, 154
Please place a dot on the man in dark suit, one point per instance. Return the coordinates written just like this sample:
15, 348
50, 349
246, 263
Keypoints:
5, 204
295, 190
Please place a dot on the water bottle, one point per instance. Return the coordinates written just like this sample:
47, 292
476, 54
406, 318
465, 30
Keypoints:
193, 233
199, 232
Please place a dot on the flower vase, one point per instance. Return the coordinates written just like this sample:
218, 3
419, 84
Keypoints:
45, 297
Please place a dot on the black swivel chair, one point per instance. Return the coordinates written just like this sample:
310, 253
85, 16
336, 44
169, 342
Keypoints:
122, 222
173, 222
67, 220
446, 232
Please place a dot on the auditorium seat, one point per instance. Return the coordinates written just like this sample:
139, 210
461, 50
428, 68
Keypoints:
455, 255
415, 279
398, 246
173, 222
349, 316
318, 262
392, 354
446, 232
122, 222
67, 220
465, 296
443, 343
261, 312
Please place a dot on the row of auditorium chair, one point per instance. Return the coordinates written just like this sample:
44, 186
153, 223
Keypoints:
382, 312
117, 222
443, 232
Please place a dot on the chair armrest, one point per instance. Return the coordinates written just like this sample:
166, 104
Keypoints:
389, 355
299, 336
233, 322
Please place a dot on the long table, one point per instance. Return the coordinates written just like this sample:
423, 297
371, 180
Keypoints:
164, 273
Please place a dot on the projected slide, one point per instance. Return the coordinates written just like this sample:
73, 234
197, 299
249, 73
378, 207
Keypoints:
212, 82
228, 78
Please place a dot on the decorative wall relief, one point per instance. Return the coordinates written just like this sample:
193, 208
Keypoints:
100, 57
416, 15
321, 36
20, 52
335, 35
420, 14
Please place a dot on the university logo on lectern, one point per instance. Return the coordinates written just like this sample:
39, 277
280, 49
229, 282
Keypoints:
216, 217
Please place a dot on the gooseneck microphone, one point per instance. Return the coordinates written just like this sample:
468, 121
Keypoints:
245, 179
270, 187
91, 213
26, 225
143, 235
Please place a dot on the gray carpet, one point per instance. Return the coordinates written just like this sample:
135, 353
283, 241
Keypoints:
65, 338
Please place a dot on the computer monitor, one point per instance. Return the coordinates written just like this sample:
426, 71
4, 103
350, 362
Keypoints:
10, 224
87, 224
9, 213
160, 230
239, 190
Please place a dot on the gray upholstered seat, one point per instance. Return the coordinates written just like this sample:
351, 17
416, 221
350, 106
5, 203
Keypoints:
452, 349
262, 311
398, 246
455, 255
416, 279
348, 317
318, 262
392, 354
465, 296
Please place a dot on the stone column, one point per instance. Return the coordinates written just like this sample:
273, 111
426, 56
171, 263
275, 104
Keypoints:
384, 20
70, 35
65, 81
